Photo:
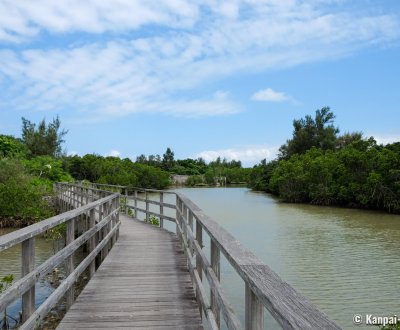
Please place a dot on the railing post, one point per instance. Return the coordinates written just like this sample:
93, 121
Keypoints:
114, 221
69, 266
147, 207
183, 221
161, 210
178, 217
92, 242
190, 220
117, 205
98, 234
199, 267
215, 265
136, 197
28, 264
103, 231
82, 215
67, 198
63, 208
55, 191
72, 197
254, 317
107, 229
126, 201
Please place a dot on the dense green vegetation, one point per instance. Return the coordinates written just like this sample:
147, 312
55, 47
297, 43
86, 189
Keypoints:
318, 166
113, 170
21, 195
29, 167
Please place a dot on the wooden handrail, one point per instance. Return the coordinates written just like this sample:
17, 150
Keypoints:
80, 206
263, 286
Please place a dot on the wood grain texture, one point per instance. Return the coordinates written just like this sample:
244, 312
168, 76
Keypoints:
28, 264
143, 283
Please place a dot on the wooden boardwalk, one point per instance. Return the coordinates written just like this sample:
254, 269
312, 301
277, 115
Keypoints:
143, 283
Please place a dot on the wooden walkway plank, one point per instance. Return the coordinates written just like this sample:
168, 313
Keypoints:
143, 283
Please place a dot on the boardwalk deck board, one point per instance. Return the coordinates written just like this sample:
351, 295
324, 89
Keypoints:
143, 283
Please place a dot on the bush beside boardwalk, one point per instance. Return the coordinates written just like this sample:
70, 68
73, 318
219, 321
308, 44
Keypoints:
21, 196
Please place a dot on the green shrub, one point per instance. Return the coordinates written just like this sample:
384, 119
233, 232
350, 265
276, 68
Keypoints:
19, 196
154, 221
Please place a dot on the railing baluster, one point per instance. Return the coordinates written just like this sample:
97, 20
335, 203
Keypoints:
183, 221
117, 218
103, 230
126, 201
92, 242
147, 207
177, 215
82, 215
114, 221
199, 239
161, 210
254, 312
28, 264
215, 265
136, 214
69, 265
190, 221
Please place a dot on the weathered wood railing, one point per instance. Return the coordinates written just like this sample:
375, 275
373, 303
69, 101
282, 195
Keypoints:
263, 287
91, 217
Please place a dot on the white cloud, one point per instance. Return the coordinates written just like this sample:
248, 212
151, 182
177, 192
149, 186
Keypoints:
189, 45
270, 95
386, 139
248, 155
113, 153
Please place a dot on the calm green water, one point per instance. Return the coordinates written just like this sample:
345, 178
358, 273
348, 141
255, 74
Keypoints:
345, 261
10, 263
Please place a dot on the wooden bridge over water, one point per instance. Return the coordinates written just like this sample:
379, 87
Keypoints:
143, 276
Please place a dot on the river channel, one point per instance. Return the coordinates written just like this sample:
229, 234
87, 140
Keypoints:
345, 261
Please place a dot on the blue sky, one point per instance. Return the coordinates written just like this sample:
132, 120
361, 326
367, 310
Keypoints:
209, 78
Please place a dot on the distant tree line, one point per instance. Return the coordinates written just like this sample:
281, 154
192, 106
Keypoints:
317, 165
199, 172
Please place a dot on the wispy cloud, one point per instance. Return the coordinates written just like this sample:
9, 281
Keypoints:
269, 95
249, 155
188, 45
386, 139
22, 20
